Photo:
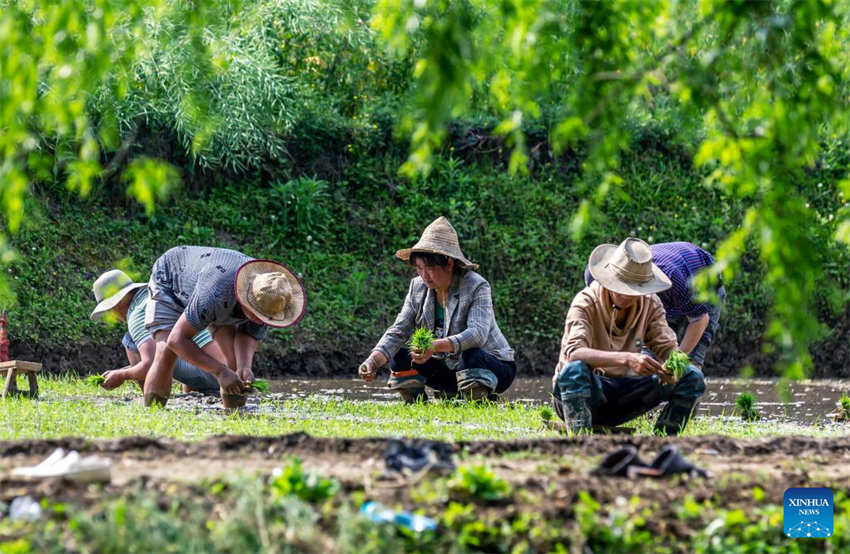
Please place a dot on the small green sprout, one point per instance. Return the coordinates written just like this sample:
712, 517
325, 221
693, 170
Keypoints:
546, 413
843, 413
95, 380
677, 363
422, 339
479, 482
745, 404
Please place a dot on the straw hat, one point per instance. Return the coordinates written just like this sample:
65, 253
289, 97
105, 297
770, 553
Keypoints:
271, 292
438, 238
627, 269
109, 289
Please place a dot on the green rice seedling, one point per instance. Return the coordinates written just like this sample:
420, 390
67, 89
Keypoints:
843, 413
259, 385
479, 482
745, 404
677, 363
422, 339
546, 413
95, 380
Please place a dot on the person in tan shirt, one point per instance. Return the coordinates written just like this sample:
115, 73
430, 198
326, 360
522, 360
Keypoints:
616, 339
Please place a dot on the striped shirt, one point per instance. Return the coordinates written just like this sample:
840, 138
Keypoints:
137, 333
679, 261
201, 280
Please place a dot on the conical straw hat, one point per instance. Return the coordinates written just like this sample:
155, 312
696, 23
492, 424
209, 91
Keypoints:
271, 292
438, 238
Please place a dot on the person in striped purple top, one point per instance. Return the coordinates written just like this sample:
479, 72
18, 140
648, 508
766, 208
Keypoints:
695, 323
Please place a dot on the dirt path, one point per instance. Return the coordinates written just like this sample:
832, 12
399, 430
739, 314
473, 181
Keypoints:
556, 468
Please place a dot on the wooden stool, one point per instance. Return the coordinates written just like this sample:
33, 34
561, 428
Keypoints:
13, 368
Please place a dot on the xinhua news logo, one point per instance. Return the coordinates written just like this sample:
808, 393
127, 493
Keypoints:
808, 513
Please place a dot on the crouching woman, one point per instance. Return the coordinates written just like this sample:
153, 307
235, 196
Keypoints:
469, 355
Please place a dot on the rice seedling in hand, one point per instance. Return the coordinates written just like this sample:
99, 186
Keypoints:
745, 405
422, 340
95, 380
843, 413
677, 363
258, 385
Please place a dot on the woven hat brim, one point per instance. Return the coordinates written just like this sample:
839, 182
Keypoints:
611, 281
294, 310
404, 254
110, 302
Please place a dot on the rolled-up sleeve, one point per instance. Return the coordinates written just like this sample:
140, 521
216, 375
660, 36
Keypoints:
577, 334
479, 319
660, 338
401, 329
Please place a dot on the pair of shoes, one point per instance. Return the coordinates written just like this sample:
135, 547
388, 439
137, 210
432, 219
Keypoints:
415, 456
410, 385
624, 462
69, 465
476, 383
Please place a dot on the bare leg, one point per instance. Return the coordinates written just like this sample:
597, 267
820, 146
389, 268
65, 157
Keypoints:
157, 387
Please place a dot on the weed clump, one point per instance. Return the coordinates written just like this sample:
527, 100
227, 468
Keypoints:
677, 363
292, 480
479, 482
422, 339
95, 380
546, 413
745, 405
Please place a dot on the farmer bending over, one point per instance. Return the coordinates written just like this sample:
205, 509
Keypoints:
695, 323
470, 356
603, 377
235, 296
115, 292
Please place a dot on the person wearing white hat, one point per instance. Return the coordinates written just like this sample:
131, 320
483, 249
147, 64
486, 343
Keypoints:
236, 296
470, 357
117, 294
603, 376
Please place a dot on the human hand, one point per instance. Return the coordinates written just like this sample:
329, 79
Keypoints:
113, 379
643, 364
245, 374
419, 357
666, 377
229, 382
367, 369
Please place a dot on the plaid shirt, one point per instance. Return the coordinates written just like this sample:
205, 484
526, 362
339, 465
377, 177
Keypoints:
470, 320
680, 261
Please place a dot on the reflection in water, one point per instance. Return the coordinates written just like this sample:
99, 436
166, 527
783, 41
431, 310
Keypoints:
809, 400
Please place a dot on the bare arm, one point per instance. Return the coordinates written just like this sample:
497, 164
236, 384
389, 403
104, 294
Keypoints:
693, 333
180, 341
618, 363
244, 347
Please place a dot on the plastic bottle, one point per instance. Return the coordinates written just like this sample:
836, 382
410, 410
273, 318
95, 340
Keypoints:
379, 513
24, 508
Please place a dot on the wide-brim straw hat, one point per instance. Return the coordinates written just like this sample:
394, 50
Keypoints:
438, 238
627, 268
109, 289
271, 292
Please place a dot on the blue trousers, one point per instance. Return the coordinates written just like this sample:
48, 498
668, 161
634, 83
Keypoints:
612, 401
438, 375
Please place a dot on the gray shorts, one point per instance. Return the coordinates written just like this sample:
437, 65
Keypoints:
162, 314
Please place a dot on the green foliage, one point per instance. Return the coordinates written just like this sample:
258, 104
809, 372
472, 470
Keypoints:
745, 404
95, 380
546, 413
422, 339
677, 363
309, 487
843, 413
479, 482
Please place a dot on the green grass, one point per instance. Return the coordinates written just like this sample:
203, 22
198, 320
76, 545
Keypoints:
69, 407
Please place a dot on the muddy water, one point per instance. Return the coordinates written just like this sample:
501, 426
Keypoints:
810, 401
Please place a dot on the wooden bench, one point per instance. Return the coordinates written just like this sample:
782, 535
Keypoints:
12, 369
